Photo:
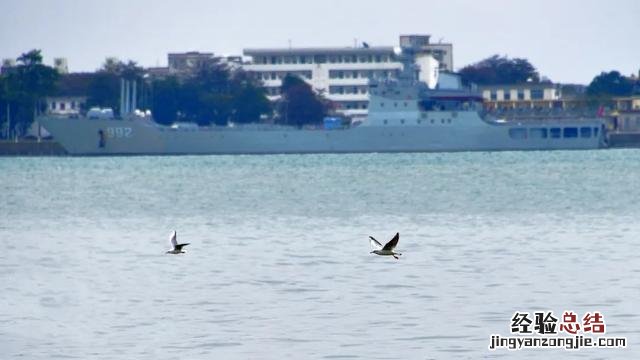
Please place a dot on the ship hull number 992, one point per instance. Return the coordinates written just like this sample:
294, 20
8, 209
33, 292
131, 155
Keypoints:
119, 132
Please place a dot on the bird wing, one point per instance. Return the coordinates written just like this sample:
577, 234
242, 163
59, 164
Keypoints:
392, 243
374, 243
173, 240
180, 246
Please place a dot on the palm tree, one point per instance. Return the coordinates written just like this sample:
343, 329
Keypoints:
27, 84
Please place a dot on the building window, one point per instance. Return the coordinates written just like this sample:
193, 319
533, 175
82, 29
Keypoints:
73, 105
53, 105
585, 132
63, 106
507, 95
555, 133
320, 59
520, 94
537, 94
494, 95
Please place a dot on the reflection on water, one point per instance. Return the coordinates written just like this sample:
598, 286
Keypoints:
279, 262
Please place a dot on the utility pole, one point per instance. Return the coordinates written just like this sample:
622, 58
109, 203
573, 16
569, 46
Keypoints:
8, 119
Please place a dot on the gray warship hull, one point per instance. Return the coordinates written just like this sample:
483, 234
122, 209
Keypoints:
438, 132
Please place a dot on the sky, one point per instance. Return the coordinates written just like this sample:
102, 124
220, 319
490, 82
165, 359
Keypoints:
568, 41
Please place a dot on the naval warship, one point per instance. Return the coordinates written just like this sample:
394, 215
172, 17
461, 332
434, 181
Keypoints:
405, 115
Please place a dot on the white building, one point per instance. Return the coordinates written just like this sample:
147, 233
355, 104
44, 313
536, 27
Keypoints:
65, 105
340, 74
190, 62
525, 95
61, 65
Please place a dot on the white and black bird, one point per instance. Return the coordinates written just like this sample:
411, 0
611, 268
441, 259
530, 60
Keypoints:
175, 247
387, 249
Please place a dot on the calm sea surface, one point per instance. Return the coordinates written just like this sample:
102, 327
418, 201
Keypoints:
279, 263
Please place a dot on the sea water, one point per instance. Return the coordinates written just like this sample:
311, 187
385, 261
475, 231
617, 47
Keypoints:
278, 264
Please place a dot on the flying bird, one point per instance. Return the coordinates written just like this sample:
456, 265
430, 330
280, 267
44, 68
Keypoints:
387, 249
175, 247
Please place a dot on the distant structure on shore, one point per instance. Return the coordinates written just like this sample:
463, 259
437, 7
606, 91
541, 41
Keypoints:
186, 63
342, 74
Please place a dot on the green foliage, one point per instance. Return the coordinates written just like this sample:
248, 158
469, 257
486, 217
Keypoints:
250, 103
609, 84
299, 105
104, 90
24, 87
213, 95
165, 100
497, 70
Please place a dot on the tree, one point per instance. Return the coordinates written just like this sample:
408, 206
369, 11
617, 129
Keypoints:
299, 105
214, 94
609, 84
250, 101
249, 104
165, 95
25, 87
104, 90
499, 70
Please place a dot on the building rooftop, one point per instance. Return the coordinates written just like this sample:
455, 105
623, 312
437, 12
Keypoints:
525, 85
191, 53
319, 50
74, 84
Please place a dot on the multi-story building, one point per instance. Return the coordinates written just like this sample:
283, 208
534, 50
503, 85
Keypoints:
189, 61
7, 64
340, 74
627, 103
61, 65
518, 96
70, 95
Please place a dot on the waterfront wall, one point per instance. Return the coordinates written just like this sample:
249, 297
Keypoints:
31, 148
624, 140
